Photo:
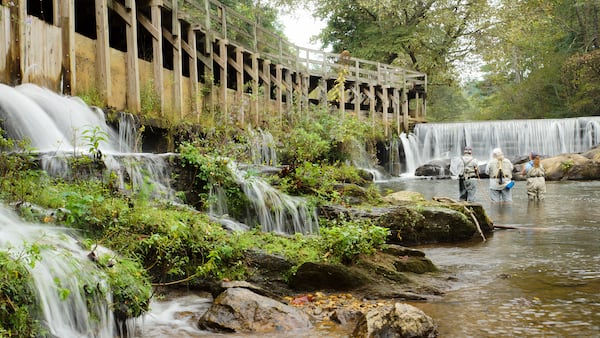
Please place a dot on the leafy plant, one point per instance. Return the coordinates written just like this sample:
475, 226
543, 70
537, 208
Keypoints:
343, 240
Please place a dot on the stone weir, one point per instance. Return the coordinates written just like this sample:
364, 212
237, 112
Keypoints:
175, 60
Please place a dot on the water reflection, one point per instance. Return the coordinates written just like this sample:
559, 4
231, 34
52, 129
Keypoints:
542, 279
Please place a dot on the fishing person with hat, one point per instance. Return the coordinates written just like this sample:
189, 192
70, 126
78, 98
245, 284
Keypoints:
468, 171
500, 170
536, 181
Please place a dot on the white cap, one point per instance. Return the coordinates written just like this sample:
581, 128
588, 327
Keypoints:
497, 152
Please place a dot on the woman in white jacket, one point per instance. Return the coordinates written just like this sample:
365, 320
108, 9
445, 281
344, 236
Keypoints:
500, 171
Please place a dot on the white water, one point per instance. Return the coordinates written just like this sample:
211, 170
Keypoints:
262, 148
548, 137
62, 265
273, 210
56, 126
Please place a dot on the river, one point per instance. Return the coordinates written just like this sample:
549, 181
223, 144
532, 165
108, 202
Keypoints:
542, 280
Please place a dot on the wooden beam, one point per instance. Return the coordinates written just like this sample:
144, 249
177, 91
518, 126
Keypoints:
404, 101
104, 85
265, 75
239, 79
120, 10
177, 67
147, 23
133, 68
255, 89
67, 24
157, 52
193, 63
223, 78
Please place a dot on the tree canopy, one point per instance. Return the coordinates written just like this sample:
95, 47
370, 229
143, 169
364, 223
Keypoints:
538, 57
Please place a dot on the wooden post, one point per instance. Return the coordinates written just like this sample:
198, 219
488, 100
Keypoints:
323, 92
133, 68
289, 90
357, 98
372, 101
103, 76
254, 73
417, 107
223, 80
396, 108
405, 107
57, 12
17, 15
193, 63
279, 91
266, 77
157, 52
385, 101
177, 67
67, 24
238, 65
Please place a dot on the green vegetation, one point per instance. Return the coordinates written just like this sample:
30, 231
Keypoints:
165, 244
481, 63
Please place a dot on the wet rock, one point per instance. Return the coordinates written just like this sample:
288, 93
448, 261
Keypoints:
344, 316
398, 320
434, 168
268, 270
427, 224
242, 311
324, 276
401, 197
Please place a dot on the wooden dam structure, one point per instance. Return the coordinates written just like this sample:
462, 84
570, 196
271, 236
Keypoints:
174, 60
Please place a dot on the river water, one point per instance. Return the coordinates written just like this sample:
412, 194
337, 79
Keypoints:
542, 280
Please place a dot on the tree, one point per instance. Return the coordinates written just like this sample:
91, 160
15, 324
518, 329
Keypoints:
426, 35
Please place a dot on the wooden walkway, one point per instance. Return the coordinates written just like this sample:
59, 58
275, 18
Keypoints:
175, 60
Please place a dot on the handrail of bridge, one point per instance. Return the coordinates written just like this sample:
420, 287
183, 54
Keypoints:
225, 23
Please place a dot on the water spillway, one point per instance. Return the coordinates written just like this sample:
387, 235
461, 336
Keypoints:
548, 137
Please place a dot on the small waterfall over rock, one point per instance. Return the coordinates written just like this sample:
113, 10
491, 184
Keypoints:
61, 128
364, 161
262, 147
517, 138
273, 210
71, 290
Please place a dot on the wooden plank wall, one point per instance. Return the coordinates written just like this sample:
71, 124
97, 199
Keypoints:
248, 73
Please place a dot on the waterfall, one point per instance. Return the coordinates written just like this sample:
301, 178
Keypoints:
548, 137
262, 148
363, 160
273, 210
62, 127
411, 152
62, 275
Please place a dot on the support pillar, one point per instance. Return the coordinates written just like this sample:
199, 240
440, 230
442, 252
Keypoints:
103, 77
157, 52
67, 25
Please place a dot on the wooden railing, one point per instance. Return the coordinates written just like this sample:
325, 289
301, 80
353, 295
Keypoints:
216, 18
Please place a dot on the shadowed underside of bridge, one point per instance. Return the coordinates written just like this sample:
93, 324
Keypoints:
176, 60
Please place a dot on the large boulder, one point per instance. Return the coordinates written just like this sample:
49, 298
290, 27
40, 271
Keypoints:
420, 223
242, 311
395, 321
312, 276
434, 168
571, 167
412, 225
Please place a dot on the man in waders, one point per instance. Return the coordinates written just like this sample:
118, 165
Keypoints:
468, 172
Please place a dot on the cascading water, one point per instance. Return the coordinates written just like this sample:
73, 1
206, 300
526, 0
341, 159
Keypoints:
60, 127
548, 137
273, 210
362, 160
262, 148
71, 290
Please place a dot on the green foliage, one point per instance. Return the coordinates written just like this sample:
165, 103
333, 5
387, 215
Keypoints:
18, 304
566, 165
129, 284
92, 97
212, 173
582, 80
343, 240
94, 137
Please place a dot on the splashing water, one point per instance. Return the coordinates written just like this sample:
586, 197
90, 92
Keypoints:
59, 127
71, 290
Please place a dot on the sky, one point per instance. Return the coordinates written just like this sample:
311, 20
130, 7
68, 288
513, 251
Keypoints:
300, 26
